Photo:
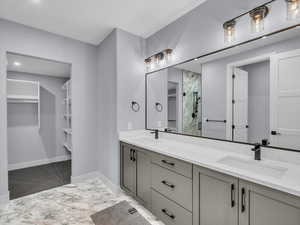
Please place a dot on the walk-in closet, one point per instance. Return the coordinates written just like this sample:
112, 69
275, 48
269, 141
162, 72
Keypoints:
39, 124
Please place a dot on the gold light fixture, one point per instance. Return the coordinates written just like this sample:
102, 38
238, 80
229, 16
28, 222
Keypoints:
258, 16
229, 31
293, 9
148, 63
168, 55
159, 59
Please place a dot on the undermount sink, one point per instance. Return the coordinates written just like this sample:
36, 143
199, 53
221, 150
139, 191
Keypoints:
254, 166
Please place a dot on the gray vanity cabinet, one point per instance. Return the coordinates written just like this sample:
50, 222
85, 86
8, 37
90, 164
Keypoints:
136, 173
264, 206
128, 168
215, 198
143, 172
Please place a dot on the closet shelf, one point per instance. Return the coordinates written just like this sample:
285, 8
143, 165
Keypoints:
22, 99
68, 131
67, 101
68, 116
68, 147
24, 91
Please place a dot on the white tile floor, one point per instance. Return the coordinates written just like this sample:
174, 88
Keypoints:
66, 205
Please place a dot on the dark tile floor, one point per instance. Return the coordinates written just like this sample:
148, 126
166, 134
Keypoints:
39, 178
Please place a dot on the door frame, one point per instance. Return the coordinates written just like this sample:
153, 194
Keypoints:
3, 104
229, 86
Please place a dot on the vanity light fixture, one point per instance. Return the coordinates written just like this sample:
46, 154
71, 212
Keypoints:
258, 16
168, 55
159, 59
293, 7
229, 31
148, 63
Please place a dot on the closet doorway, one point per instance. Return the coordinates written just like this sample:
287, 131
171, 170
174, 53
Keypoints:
39, 124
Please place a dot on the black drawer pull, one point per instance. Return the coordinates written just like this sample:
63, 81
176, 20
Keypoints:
168, 184
232, 195
243, 208
168, 163
131, 155
168, 214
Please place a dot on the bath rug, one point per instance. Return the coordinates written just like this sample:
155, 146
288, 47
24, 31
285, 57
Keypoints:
120, 214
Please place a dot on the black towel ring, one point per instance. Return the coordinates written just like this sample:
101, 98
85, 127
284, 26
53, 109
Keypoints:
158, 107
135, 106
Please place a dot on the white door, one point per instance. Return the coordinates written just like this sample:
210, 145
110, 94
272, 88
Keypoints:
240, 106
285, 100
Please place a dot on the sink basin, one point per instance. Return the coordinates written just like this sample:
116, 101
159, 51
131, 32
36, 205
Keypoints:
254, 166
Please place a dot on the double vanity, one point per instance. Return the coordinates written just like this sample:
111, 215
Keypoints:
191, 181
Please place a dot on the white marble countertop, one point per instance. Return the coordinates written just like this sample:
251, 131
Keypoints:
208, 154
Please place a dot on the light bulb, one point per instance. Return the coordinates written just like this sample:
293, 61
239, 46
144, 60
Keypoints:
293, 9
258, 18
229, 31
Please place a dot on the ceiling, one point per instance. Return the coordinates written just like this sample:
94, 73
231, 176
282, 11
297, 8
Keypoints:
92, 20
33, 65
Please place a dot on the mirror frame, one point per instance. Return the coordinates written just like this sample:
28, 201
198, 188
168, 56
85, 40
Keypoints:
209, 54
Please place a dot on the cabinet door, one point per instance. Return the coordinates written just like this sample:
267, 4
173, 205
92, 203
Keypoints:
128, 168
143, 191
264, 206
215, 198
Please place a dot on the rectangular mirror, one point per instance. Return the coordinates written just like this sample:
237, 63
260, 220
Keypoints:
249, 93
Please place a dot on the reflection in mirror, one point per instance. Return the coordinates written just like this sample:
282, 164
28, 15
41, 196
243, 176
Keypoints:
249, 94
180, 90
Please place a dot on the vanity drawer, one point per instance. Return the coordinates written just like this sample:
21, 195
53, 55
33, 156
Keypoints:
169, 212
174, 186
178, 166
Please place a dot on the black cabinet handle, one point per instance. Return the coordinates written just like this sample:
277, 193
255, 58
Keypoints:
168, 184
232, 196
168, 163
165, 211
133, 156
243, 208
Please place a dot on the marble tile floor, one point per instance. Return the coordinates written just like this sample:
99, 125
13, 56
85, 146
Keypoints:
66, 205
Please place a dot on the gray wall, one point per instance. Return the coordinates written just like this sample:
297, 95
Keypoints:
157, 92
130, 80
107, 105
259, 101
46, 142
120, 81
21, 39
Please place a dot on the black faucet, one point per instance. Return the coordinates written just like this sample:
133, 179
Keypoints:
257, 151
156, 133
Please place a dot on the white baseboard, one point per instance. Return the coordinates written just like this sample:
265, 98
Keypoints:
113, 187
96, 174
4, 199
22, 165
84, 177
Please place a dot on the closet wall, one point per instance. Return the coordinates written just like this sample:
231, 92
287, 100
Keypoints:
28, 41
27, 144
